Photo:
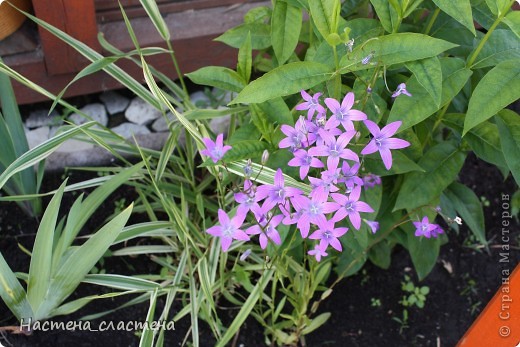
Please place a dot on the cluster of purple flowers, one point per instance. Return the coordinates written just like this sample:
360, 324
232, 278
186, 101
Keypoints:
318, 143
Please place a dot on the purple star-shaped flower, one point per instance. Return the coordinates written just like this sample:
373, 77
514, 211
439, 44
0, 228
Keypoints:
334, 149
278, 193
383, 142
328, 235
312, 104
247, 199
437, 231
371, 180
296, 137
401, 89
317, 252
350, 206
343, 114
311, 211
215, 150
322, 186
229, 229
350, 177
304, 161
424, 227
267, 230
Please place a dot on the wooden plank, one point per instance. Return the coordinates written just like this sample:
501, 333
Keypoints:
78, 19
194, 47
499, 324
106, 12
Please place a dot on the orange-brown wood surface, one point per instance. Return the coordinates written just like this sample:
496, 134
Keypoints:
499, 324
78, 19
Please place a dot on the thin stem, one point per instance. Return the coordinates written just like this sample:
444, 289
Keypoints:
177, 69
431, 21
482, 42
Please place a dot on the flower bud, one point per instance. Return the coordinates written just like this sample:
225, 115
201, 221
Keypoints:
265, 156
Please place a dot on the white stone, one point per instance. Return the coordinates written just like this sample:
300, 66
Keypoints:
37, 136
220, 125
95, 111
140, 112
200, 99
160, 124
126, 130
114, 102
73, 145
39, 118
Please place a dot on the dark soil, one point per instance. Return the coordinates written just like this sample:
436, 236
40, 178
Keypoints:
463, 281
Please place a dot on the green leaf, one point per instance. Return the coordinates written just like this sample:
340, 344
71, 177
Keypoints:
218, 76
400, 164
497, 89
442, 164
483, 139
284, 80
41, 257
508, 123
386, 14
497, 6
317, 321
285, 30
322, 13
415, 109
395, 49
121, 282
513, 21
154, 14
260, 35
12, 292
353, 257
502, 45
277, 111
245, 59
459, 10
428, 73
79, 263
423, 251
245, 150
380, 254
469, 208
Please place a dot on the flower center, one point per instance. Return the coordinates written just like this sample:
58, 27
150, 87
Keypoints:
327, 235
349, 206
228, 231
334, 151
314, 209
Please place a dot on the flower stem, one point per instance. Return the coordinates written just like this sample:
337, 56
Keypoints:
177, 69
431, 21
482, 42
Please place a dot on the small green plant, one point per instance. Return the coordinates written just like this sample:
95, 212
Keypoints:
485, 202
119, 205
375, 302
470, 291
414, 296
403, 321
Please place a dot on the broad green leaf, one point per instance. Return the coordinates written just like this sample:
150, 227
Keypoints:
395, 49
502, 45
508, 123
442, 164
208, 113
277, 111
386, 14
353, 257
459, 10
513, 21
316, 322
245, 59
497, 89
41, 257
423, 251
218, 76
285, 30
79, 263
400, 164
245, 150
260, 35
428, 73
469, 208
322, 13
483, 139
413, 110
497, 6
12, 292
380, 254
284, 80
